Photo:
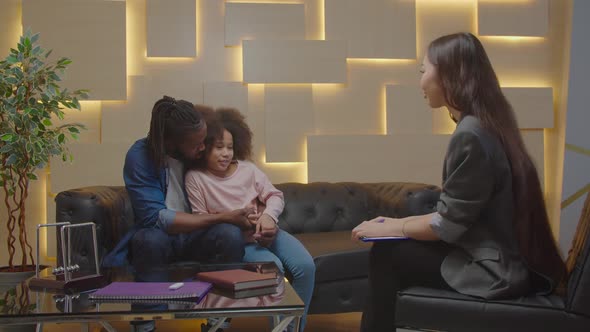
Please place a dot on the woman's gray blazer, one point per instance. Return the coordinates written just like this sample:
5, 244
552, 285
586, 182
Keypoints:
475, 214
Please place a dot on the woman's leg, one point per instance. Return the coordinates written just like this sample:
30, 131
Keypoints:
396, 265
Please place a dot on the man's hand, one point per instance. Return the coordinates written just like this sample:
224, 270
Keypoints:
239, 217
266, 230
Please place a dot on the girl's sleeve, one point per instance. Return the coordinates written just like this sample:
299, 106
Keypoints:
269, 195
467, 188
194, 191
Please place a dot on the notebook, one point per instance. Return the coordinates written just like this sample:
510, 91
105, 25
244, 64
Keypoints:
152, 291
238, 279
383, 238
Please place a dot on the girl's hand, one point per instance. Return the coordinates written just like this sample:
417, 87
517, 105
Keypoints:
380, 226
253, 218
266, 230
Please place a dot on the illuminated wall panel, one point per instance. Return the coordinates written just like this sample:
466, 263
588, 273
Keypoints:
533, 140
171, 28
10, 26
533, 106
521, 63
347, 102
92, 34
294, 61
375, 158
358, 107
129, 121
89, 116
83, 171
226, 94
513, 18
407, 110
263, 21
289, 118
438, 18
373, 29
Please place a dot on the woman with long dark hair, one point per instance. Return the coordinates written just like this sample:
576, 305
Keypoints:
490, 235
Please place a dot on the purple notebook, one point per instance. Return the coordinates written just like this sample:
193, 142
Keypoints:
192, 291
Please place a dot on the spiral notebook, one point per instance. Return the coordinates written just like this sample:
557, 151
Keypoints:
151, 291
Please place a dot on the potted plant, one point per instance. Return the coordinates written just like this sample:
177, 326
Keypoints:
30, 101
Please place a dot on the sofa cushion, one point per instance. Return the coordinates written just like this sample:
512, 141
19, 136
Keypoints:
452, 311
336, 256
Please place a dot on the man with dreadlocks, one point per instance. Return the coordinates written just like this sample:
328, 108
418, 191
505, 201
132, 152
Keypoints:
165, 231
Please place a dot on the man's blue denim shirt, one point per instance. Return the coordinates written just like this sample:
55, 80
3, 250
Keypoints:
146, 187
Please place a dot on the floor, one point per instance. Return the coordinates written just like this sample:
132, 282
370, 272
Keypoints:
315, 323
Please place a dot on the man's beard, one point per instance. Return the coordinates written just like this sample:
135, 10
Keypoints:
176, 154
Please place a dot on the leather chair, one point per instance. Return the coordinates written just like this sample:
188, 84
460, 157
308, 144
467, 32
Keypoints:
432, 309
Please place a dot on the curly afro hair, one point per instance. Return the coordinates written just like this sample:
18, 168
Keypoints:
233, 121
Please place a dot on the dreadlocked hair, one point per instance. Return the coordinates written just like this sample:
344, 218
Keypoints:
233, 121
171, 121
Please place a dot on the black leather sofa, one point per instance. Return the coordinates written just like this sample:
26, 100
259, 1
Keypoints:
320, 214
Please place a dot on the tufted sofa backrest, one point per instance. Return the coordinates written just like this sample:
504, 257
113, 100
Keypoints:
324, 207
313, 207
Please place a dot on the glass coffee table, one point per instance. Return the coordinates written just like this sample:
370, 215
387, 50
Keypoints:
24, 305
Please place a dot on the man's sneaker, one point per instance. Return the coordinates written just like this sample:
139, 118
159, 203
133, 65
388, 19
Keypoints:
143, 326
212, 321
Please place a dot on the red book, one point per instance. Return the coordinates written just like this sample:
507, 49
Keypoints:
238, 279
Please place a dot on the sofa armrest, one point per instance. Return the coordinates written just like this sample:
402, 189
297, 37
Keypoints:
402, 199
107, 206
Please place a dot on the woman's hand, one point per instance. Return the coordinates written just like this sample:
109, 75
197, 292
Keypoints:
380, 226
266, 230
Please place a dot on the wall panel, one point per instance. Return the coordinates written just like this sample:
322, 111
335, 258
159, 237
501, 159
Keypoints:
226, 94
533, 106
376, 158
513, 18
171, 28
289, 118
263, 21
294, 61
373, 29
92, 34
10, 26
407, 110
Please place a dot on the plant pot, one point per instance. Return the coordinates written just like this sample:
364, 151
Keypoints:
19, 328
13, 278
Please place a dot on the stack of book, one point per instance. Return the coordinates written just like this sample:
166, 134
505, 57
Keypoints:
240, 283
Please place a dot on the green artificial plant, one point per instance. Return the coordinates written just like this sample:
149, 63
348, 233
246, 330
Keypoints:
31, 101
